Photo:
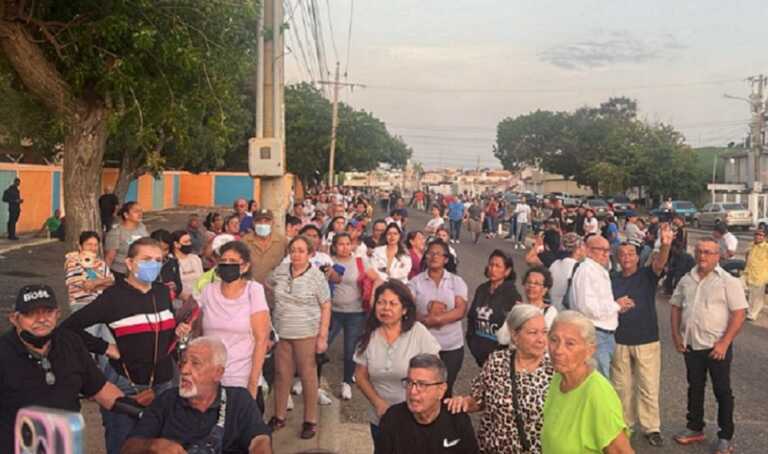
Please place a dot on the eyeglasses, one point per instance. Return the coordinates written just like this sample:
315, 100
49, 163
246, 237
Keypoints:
435, 254
533, 284
604, 250
419, 385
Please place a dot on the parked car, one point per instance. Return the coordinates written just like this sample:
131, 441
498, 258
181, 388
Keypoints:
682, 207
733, 215
620, 204
599, 206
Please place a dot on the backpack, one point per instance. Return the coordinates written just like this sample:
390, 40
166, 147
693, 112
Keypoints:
567, 303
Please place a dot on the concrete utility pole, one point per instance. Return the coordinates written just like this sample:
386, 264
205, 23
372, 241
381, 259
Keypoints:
335, 118
270, 117
757, 128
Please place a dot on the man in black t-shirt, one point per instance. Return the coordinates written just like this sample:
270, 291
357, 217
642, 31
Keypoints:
108, 203
422, 424
201, 415
40, 365
636, 365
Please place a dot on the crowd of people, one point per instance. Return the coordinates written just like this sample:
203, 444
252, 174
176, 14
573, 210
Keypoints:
196, 327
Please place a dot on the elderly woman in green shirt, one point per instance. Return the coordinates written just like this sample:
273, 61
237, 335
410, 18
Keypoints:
582, 412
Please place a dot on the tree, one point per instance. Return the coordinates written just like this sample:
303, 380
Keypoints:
362, 140
606, 148
161, 72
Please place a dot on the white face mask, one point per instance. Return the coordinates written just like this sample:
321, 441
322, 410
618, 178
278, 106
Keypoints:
262, 229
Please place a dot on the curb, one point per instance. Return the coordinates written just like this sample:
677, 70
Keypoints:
17, 246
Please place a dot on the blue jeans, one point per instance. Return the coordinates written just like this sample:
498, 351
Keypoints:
352, 324
375, 434
455, 229
606, 344
117, 427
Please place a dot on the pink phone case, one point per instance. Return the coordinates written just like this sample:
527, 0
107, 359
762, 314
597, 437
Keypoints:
55, 431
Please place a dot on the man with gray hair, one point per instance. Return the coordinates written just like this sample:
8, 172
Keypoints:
201, 415
421, 423
592, 295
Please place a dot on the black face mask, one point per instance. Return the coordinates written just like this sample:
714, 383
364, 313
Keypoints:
228, 272
186, 248
35, 341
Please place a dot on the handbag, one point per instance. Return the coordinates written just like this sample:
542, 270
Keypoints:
365, 283
526, 444
147, 396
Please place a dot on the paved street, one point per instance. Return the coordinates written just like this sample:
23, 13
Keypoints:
44, 263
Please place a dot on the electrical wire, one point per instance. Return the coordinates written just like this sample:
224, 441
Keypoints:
349, 36
330, 27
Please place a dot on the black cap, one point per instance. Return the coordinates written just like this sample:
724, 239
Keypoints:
263, 214
32, 297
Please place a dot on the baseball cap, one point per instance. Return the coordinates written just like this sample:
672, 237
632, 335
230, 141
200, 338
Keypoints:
31, 297
263, 214
221, 240
571, 241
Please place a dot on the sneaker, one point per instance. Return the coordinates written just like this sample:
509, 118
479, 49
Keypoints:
724, 446
308, 430
688, 436
276, 423
323, 398
290, 403
654, 439
296, 388
346, 391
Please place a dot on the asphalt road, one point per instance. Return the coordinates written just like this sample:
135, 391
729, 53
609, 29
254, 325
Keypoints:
750, 370
749, 366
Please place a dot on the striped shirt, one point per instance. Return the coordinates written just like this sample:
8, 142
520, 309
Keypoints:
79, 268
134, 320
298, 301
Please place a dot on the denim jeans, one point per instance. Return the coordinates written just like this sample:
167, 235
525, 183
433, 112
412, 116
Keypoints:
521, 233
606, 344
117, 427
455, 229
352, 324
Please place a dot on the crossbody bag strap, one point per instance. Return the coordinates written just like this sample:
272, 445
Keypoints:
516, 406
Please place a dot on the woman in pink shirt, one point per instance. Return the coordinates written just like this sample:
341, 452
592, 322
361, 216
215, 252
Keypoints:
235, 310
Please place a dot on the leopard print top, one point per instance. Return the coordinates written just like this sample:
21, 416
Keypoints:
493, 389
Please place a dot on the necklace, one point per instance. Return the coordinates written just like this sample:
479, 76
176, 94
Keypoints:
528, 366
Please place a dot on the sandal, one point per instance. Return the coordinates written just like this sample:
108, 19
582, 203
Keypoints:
276, 423
308, 430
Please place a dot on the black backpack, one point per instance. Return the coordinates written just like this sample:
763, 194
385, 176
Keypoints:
567, 297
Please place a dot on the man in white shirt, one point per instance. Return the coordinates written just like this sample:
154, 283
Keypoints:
523, 214
562, 268
592, 295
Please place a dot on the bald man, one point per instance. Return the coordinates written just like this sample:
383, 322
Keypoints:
592, 295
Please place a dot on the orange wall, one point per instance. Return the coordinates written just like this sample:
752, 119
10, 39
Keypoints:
36, 189
145, 188
108, 179
197, 190
168, 191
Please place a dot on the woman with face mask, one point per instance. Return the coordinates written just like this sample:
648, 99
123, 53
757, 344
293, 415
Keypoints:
190, 265
137, 311
235, 310
86, 274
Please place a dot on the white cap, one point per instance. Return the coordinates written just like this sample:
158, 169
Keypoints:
220, 241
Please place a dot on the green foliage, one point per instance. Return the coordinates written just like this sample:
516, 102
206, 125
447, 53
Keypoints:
362, 140
606, 148
172, 73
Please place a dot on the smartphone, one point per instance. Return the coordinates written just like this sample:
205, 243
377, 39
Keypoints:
42, 430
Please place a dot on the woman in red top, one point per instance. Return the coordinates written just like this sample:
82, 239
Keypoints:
415, 242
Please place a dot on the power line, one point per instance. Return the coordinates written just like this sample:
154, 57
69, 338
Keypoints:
330, 27
425, 90
349, 36
297, 37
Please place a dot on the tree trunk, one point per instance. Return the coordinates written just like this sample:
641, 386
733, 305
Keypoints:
83, 160
129, 170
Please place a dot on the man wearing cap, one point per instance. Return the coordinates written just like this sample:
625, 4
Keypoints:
267, 247
41, 365
562, 268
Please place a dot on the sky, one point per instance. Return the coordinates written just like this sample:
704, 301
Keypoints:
443, 73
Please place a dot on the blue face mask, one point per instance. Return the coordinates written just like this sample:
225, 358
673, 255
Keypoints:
148, 271
262, 229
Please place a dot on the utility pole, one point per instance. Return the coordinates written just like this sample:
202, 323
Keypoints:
757, 128
270, 117
335, 118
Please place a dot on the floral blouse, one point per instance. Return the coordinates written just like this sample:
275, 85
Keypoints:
493, 390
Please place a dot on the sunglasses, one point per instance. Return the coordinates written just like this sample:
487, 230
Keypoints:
50, 377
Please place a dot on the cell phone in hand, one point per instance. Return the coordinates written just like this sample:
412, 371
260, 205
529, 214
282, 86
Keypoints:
42, 430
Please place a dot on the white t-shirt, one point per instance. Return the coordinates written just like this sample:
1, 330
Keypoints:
591, 225
561, 271
729, 243
523, 213
433, 225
